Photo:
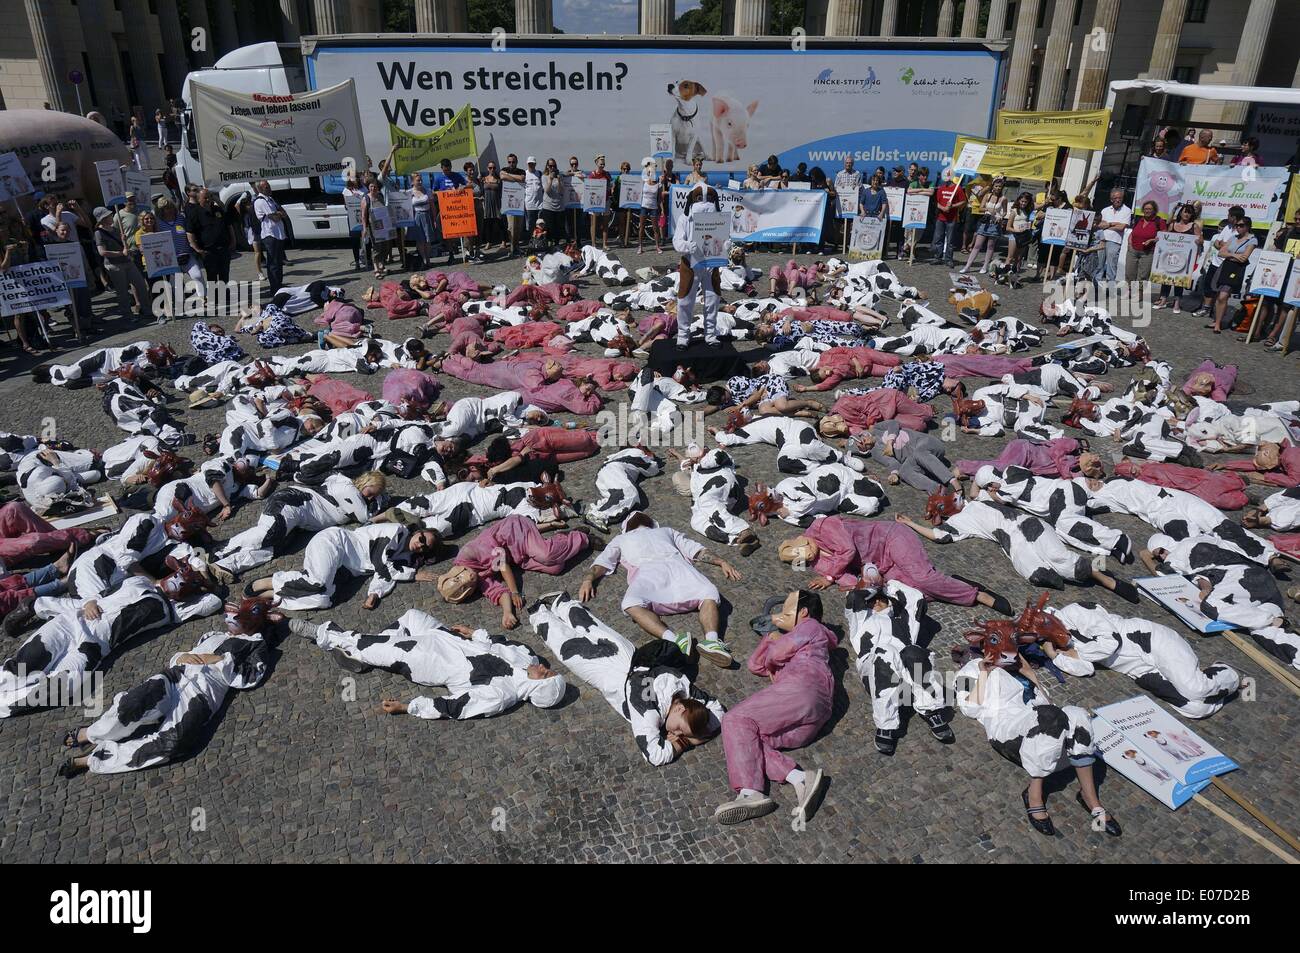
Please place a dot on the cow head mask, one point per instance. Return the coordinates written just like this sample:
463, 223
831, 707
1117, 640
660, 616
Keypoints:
1080, 409
1042, 626
998, 642
763, 503
940, 505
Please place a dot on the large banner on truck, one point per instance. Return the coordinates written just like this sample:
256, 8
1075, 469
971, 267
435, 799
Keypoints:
244, 137
732, 103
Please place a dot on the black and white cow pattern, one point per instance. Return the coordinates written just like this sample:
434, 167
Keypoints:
1018, 407
716, 498
1153, 655
143, 537
163, 717
1283, 509
1033, 547
618, 489
606, 266
291, 508
378, 551
893, 666
134, 413
827, 489
59, 486
798, 448
98, 364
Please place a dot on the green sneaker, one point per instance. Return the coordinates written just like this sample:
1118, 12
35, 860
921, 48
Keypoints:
716, 652
684, 643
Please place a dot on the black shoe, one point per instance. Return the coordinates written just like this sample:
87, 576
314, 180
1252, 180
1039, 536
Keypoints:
1126, 590
342, 660
940, 726
19, 617
69, 769
1043, 824
1112, 826
1001, 604
886, 740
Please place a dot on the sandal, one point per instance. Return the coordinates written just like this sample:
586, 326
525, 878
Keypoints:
70, 769
1044, 824
72, 739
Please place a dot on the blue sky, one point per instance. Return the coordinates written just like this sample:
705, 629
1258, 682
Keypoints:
603, 16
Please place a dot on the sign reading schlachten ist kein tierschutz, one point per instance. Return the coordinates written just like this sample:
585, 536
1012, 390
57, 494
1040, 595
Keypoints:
244, 137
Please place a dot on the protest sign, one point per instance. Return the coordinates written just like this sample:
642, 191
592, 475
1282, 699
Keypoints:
916, 211
512, 198
1181, 597
1269, 277
111, 185
595, 195
1175, 261
1071, 129
897, 197
158, 250
709, 237
13, 177
867, 239
69, 257
401, 206
38, 285
456, 211
1056, 225
661, 141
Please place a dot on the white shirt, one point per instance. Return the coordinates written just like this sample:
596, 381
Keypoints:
532, 189
1112, 216
264, 207
1226, 234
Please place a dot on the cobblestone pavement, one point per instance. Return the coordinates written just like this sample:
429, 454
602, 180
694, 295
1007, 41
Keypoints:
305, 768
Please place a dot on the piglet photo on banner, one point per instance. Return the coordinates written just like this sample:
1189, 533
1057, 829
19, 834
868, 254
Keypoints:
158, 249
381, 222
1269, 277
595, 195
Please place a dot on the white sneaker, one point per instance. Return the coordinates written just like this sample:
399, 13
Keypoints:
807, 791
744, 808
304, 627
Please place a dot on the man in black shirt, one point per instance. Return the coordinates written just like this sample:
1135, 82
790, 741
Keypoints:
212, 235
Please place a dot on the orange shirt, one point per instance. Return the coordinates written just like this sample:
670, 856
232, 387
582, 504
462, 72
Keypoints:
1195, 154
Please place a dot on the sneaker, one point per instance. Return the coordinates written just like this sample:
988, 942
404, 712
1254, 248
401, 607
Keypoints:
744, 808
19, 618
940, 727
683, 643
304, 627
346, 662
807, 793
320, 340
715, 651
887, 740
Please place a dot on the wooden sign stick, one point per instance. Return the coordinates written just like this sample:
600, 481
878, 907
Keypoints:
1265, 661
1257, 814
1258, 838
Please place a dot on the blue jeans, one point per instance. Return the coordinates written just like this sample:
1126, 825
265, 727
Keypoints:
944, 242
1110, 263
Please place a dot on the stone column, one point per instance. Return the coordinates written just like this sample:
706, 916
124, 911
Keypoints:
331, 17
198, 16
144, 62
1250, 50
888, 18
441, 16
365, 16
49, 56
1168, 32
290, 29
247, 25
752, 17
970, 19
225, 27
657, 17
109, 89
997, 25
174, 45
1051, 78
1022, 56
533, 16
947, 14
1094, 68
844, 17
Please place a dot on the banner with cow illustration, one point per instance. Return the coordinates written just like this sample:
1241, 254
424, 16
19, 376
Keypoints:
244, 137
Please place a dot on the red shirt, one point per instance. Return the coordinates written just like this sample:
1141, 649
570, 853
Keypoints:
1143, 232
950, 193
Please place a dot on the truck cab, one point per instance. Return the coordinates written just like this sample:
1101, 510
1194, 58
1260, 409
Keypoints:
315, 207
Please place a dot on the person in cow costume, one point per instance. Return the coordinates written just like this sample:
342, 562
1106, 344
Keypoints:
884, 628
648, 687
618, 487
1011, 704
798, 448
716, 497
484, 675
165, 717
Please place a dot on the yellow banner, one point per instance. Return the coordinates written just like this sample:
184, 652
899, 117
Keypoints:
1293, 198
1082, 129
1018, 160
415, 153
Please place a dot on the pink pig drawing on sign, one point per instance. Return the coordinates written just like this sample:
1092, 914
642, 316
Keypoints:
730, 127
1162, 188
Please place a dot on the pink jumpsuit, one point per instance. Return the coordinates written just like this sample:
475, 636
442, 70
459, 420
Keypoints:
815, 312
465, 329
408, 384
1225, 378
529, 334
398, 306
845, 545
786, 714
24, 535
863, 411
839, 361
339, 396
526, 377
1225, 490
982, 365
1056, 458
609, 373
565, 445
518, 538
577, 310
458, 283
341, 317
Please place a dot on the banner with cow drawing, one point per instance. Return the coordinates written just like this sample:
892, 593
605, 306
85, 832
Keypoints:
244, 137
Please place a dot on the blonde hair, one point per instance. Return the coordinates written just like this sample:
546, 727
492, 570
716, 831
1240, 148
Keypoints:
370, 478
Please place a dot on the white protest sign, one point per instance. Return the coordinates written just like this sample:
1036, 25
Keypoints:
1175, 261
69, 257
968, 162
158, 249
571, 187
897, 197
629, 192
916, 211
31, 287
1156, 751
661, 141
1292, 294
848, 204
1269, 276
1181, 597
243, 137
381, 222
1056, 225
867, 240
401, 206
1080, 233
595, 195
512, 198
13, 177
709, 230
848, 182
111, 184
352, 203
139, 184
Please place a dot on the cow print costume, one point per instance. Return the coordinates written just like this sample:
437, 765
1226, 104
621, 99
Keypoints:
1153, 655
1008, 406
135, 413
465, 505
798, 448
378, 551
618, 485
141, 541
1178, 514
164, 717
602, 658
716, 497
829, 488
1033, 547
99, 364
607, 267
61, 486
484, 675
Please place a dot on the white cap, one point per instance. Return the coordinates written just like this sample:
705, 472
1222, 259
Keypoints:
531, 160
